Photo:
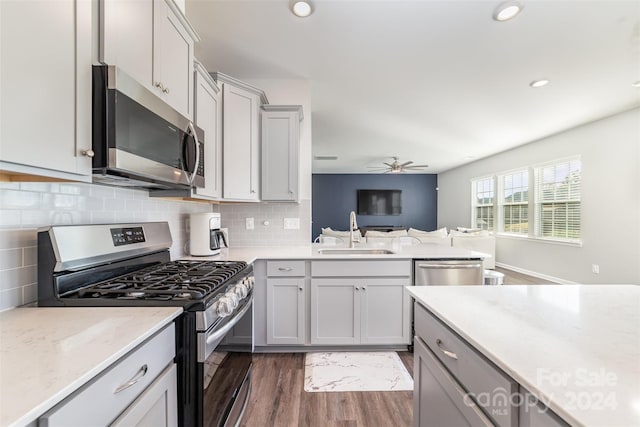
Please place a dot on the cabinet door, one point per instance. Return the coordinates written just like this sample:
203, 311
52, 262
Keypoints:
438, 400
45, 86
208, 117
240, 144
285, 311
157, 406
335, 311
280, 158
534, 414
385, 312
173, 59
126, 37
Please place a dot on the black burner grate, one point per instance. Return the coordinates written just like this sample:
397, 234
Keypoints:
176, 280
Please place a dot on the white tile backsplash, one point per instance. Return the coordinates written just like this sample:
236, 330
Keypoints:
233, 217
28, 205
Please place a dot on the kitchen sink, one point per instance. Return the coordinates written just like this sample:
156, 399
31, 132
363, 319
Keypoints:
354, 251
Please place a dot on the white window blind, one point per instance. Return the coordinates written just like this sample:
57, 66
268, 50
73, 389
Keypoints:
557, 200
483, 203
514, 202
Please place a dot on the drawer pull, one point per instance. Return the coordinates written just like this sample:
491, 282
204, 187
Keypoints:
446, 352
137, 377
285, 268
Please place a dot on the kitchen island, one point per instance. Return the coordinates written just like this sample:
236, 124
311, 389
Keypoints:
575, 348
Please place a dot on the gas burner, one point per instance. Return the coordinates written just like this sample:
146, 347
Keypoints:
135, 294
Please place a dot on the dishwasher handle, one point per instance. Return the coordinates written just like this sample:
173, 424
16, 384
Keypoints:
449, 266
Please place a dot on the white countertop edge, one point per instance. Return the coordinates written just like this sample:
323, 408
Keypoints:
58, 397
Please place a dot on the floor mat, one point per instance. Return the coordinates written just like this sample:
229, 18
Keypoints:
355, 371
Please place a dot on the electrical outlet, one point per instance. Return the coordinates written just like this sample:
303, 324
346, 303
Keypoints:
595, 268
292, 223
248, 223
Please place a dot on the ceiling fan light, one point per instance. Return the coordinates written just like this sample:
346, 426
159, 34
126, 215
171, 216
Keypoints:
301, 9
506, 11
539, 83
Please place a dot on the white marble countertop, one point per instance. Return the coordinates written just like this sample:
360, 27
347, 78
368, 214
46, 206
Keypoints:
575, 347
422, 251
47, 353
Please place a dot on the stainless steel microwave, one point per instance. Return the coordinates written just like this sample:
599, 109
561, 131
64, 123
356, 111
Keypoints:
138, 139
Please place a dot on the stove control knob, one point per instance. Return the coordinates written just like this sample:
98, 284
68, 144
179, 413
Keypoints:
235, 299
225, 306
248, 282
241, 290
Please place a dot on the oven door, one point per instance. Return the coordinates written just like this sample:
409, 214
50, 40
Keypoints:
226, 369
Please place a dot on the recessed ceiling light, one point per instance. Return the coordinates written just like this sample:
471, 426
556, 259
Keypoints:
507, 10
539, 83
636, 84
301, 9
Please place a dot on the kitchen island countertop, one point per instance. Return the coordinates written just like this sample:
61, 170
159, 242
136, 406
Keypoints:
575, 347
47, 353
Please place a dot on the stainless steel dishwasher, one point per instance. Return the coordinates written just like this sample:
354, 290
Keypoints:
448, 272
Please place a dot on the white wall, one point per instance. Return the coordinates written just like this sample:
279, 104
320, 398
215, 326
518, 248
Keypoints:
610, 153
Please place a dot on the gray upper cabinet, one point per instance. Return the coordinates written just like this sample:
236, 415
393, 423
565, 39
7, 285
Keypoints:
240, 139
154, 45
281, 152
208, 117
45, 89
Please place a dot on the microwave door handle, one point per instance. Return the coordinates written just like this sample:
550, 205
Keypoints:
191, 175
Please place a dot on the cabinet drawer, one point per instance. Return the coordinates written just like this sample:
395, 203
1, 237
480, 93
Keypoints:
99, 402
491, 388
285, 268
438, 399
361, 268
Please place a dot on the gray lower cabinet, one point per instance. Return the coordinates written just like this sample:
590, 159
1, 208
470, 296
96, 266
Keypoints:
456, 385
351, 311
438, 400
140, 389
535, 414
286, 311
156, 406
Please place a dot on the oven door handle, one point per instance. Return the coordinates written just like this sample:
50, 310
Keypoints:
227, 327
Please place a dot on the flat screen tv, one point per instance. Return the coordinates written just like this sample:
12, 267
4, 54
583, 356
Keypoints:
379, 202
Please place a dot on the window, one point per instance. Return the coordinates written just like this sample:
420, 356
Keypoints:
542, 201
514, 202
483, 203
557, 200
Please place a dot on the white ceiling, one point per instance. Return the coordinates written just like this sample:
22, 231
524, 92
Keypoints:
435, 82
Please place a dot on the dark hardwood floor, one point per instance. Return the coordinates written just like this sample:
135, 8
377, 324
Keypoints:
278, 397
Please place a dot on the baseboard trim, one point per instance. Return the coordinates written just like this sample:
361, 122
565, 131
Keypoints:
535, 274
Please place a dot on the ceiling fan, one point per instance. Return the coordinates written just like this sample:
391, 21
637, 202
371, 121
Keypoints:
397, 167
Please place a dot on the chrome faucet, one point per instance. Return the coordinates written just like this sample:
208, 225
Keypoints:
353, 225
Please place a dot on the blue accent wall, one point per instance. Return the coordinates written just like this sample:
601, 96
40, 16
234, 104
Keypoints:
335, 195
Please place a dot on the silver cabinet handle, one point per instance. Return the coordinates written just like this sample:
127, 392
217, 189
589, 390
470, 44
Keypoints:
165, 90
137, 377
88, 153
300, 288
357, 288
285, 268
449, 266
446, 352
159, 86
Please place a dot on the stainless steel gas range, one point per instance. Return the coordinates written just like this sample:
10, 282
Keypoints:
129, 265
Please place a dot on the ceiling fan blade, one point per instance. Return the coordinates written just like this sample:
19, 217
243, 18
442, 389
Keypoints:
385, 163
405, 164
416, 166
